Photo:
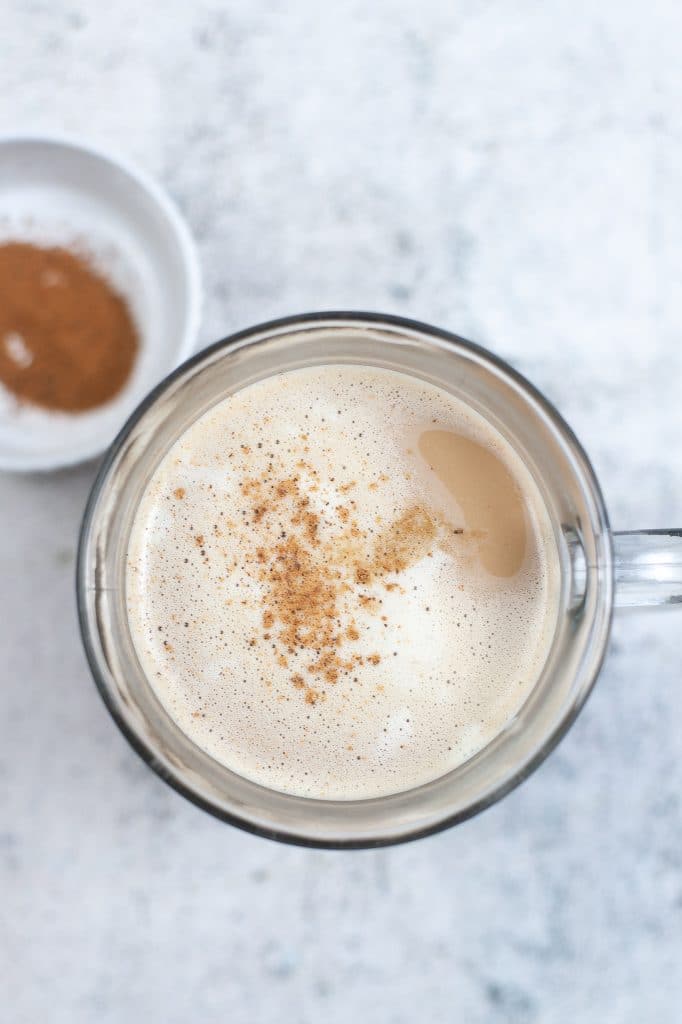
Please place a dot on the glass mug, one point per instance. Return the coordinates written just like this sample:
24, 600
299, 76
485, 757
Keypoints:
598, 569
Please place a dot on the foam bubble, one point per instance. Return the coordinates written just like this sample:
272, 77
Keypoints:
303, 600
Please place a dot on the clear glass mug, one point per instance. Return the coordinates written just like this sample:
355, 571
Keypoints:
598, 569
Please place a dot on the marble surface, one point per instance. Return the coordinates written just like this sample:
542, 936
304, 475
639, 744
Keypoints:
512, 172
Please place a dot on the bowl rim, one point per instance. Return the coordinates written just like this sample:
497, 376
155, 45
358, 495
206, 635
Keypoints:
191, 269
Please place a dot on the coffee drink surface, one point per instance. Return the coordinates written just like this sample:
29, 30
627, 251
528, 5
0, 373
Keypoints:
342, 582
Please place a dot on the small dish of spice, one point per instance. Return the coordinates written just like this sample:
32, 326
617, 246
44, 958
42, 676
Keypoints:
99, 299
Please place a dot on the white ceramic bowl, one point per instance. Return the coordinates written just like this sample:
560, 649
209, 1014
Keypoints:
59, 192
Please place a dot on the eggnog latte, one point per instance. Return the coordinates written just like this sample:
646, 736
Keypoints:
342, 582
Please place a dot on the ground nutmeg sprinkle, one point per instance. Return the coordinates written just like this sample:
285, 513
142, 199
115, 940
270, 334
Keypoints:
316, 580
68, 341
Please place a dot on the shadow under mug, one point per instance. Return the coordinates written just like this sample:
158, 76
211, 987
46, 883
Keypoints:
598, 569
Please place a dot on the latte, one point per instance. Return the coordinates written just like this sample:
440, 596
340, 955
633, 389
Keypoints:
342, 582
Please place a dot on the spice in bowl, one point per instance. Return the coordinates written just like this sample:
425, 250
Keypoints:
68, 341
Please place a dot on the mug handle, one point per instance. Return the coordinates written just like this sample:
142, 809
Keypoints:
648, 568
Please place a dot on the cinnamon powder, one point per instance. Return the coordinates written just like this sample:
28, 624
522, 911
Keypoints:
67, 338
312, 581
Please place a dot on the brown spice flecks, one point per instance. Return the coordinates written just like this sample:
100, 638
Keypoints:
68, 341
312, 577
179, 493
404, 541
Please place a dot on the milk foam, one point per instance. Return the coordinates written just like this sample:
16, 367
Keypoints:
308, 606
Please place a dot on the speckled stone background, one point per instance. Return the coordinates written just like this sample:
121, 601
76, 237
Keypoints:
512, 172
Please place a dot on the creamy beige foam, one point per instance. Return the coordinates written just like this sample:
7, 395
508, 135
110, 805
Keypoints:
342, 582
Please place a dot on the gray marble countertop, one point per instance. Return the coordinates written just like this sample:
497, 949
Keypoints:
511, 172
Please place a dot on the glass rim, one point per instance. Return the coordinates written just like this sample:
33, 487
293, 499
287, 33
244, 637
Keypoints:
582, 468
